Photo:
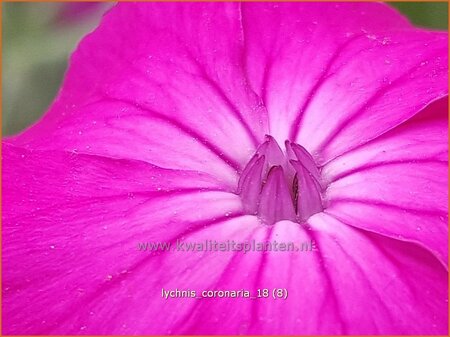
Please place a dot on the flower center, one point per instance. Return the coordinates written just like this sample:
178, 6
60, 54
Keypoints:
281, 186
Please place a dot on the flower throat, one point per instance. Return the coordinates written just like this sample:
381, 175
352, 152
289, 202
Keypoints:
277, 186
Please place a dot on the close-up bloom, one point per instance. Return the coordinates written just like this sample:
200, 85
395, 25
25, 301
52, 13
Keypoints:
242, 125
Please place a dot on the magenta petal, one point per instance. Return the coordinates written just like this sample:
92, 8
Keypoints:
289, 48
72, 223
139, 88
121, 287
40, 179
411, 72
395, 283
397, 184
231, 316
409, 186
420, 139
119, 130
408, 200
334, 97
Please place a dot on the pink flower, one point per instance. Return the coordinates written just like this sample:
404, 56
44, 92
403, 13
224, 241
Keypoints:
253, 122
70, 12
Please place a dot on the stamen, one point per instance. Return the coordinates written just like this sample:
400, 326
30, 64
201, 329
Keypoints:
309, 200
251, 186
277, 186
276, 202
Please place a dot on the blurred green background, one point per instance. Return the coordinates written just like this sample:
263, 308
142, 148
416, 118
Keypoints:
39, 37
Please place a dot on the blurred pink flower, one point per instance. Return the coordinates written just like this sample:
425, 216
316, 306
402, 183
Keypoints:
235, 121
70, 12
